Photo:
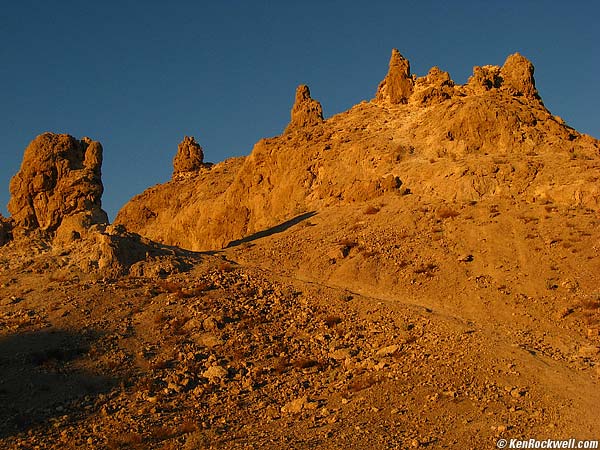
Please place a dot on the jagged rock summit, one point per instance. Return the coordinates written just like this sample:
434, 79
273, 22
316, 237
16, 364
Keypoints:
306, 111
59, 180
491, 137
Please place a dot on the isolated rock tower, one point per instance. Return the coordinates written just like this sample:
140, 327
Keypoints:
60, 177
397, 86
189, 157
306, 111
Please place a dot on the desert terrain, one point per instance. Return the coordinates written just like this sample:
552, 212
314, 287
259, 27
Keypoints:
420, 271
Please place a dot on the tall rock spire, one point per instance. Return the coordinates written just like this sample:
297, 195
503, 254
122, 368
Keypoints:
397, 86
306, 111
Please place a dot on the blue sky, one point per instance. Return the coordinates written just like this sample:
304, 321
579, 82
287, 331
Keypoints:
138, 76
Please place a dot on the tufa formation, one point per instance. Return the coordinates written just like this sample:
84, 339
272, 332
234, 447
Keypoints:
59, 181
422, 135
189, 157
438, 224
515, 77
306, 111
397, 86
56, 206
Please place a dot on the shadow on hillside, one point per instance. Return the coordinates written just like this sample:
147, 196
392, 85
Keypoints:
39, 376
273, 230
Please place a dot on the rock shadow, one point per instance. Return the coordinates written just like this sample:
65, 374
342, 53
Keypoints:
273, 230
41, 372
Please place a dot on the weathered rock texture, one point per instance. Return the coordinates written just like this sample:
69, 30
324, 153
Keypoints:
517, 76
59, 181
5, 230
397, 86
56, 207
189, 157
306, 111
491, 137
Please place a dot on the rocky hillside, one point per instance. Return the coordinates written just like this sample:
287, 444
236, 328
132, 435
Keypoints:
427, 136
420, 271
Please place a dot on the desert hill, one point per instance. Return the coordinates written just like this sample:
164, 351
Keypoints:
420, 271
492, 137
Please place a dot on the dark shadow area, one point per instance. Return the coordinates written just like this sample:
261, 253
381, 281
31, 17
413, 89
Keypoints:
40, 373
273, 230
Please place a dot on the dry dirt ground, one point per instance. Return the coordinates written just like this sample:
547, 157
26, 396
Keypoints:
398, 324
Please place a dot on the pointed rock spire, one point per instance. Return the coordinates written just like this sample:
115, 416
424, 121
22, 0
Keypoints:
397, 86
189, 157
306, 111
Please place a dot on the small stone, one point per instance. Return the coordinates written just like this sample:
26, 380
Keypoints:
340, 354
518, 392
210, 324
297, 405
215, 373
388, 351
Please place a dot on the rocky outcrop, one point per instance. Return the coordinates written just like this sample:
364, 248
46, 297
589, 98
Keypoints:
5, 230
56, 207
306, 111
397, 86
430, 137
60, 177
517, 76
435, 87
484, 78
189, 157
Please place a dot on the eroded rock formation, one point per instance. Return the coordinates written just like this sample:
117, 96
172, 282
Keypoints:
189, 157
306, 111
422, 135
5, 230
397, 86
60, 178
517, 76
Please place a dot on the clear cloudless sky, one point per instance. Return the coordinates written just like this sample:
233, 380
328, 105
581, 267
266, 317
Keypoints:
139, 75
